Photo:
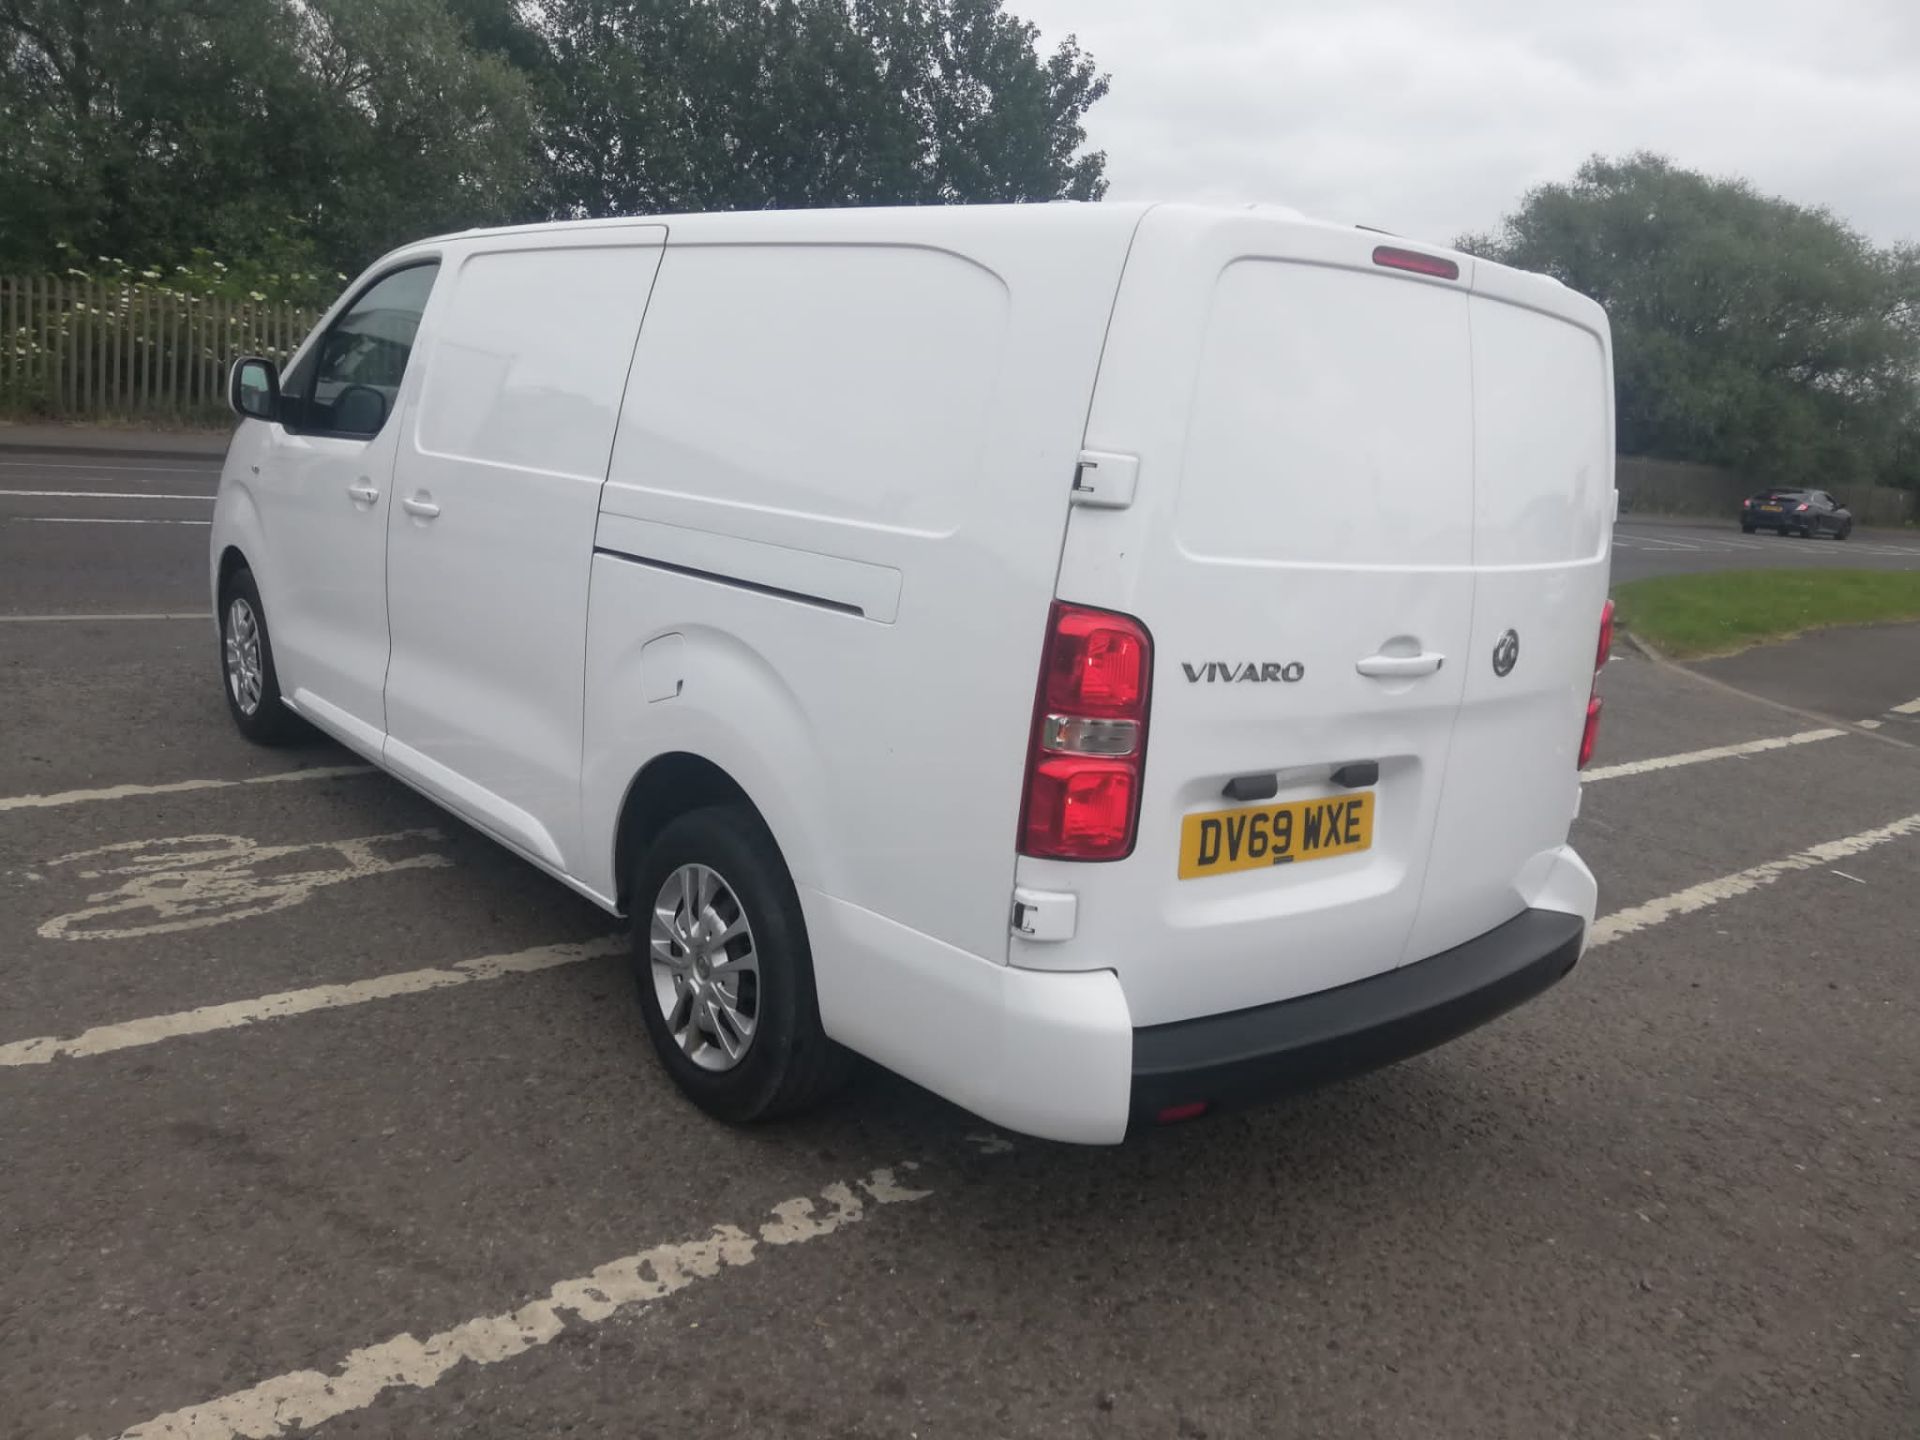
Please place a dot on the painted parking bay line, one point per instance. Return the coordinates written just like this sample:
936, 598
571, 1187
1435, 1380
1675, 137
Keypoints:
131, 1034
175, 787
100, 495
304, 1398
1717, 752
1636, 918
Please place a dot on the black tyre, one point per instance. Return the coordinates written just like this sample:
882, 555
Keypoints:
725, 976
1746, 529
247, 676
1844, 531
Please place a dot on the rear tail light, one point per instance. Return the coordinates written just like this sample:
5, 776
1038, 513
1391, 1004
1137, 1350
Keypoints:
1746, 504
1590, 736
1801, 506
1081, 798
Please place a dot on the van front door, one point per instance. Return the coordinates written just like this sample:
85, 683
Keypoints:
496, 496
323, 494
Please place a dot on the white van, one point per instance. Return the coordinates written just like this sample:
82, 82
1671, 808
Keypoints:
1102, 662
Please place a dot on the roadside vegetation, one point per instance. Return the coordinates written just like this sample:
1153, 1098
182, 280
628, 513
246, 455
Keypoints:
1688, 616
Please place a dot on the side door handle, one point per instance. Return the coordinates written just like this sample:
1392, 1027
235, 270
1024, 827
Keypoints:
425, 509
1400, 667
364, 493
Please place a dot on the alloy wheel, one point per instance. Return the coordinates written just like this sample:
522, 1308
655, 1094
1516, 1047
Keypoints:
706, 970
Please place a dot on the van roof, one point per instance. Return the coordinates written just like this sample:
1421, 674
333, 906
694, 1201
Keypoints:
953, 224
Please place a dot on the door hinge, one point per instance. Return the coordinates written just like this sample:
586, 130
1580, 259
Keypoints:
1044, 914
1105, 479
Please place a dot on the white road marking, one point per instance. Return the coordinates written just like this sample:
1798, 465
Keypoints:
1868, 724
208, 467
1712, 892
1718, 752
46, 619
131, 1034
95, 520
151, 1030
304, 1398
1845, 876
1912, 707
172, 787
102, 495
193, 882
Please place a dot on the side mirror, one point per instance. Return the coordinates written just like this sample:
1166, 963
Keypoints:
253, 389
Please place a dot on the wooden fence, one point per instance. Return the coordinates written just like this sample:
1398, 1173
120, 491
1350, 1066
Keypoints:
94, 349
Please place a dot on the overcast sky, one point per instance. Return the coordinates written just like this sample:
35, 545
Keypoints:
1430, 117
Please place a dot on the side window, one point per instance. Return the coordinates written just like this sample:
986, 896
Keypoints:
348, 382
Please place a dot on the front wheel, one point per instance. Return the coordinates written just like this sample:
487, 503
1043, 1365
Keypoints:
724, 971
1844, 531
248, 678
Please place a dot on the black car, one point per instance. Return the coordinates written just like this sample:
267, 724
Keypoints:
1809, 513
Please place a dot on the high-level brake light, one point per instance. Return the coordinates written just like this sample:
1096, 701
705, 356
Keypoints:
1394, 258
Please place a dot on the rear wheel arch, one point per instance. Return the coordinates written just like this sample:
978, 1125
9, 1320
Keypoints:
667, 787
232, 561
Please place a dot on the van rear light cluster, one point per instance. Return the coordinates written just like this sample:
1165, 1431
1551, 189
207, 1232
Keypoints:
1081, 799
1590, 736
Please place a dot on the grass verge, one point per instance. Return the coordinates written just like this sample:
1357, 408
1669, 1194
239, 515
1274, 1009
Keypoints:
1688, 616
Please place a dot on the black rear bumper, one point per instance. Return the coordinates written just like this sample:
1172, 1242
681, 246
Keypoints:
1249, 1055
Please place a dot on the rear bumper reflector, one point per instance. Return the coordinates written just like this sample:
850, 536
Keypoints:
1249, 1055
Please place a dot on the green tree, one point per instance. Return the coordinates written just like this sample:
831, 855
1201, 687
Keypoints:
330, 128
310, 135
142, 131
1748, 331
426, 132
661, 105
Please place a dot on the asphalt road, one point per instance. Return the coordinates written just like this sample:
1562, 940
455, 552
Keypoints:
1644, 547
280, 1154
104, 533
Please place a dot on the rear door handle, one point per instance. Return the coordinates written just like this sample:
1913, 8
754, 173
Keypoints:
363, 492
425, 509
1400, 667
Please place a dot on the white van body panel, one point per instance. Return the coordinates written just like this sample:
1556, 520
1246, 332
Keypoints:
497, 493
790, 492
879, 415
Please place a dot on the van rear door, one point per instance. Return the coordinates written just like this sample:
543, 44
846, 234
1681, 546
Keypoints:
1543, 508
1300, 548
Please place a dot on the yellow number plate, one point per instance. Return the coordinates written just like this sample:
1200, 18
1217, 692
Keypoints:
1252, 837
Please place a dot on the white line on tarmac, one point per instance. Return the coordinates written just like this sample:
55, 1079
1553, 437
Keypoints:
1912, 707
1711, 892
211, 467
175, 787
96, 520
303, 1398
101, 495
134, 615
1718, 752
130, 1034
